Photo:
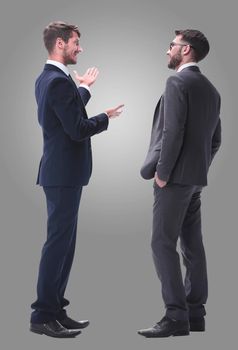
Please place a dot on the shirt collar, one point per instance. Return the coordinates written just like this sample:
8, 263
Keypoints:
190, 64
59, 65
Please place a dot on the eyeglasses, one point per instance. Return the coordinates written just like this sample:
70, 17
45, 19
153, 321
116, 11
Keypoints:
171, 45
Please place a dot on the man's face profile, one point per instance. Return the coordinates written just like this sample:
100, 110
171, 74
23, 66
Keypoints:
71, 49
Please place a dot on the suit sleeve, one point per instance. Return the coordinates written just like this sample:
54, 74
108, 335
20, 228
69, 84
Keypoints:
85, 95
175, 115
70, 110
216, 140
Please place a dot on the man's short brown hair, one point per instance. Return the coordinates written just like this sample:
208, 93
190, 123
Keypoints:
56, 30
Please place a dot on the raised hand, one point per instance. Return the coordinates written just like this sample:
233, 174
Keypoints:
89, 77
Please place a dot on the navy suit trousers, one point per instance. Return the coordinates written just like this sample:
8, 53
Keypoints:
57, 253
177, 214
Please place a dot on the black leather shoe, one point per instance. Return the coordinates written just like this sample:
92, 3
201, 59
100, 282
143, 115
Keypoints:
68, 323
53, 329
197, 324
165, 328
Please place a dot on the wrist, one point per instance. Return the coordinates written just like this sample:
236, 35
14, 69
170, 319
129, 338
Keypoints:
86, 86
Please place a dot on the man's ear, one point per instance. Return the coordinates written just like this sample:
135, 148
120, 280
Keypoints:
60, 43
186, 49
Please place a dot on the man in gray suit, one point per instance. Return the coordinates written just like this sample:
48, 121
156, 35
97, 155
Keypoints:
186, 134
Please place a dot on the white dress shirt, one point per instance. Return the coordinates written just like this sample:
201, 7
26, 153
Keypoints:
185, 65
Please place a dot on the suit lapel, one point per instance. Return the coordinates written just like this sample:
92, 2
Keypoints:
51, 67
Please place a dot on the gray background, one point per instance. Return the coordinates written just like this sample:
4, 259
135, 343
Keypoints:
113, 282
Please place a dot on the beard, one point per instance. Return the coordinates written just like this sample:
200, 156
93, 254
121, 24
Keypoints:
175, 61
68, 59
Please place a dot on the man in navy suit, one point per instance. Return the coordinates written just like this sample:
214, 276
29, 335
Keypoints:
65, 167
186, 134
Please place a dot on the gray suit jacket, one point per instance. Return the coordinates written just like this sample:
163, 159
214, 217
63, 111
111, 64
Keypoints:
186, 131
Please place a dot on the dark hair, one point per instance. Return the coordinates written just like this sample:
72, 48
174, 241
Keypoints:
197, 40
58, 30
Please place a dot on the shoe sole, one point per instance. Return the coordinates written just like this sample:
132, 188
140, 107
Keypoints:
180, 333
175, 334
53, 336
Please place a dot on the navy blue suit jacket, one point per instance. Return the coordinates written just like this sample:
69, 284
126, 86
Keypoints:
67, 157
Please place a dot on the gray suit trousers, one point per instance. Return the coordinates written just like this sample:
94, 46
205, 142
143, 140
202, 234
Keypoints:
176, 214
